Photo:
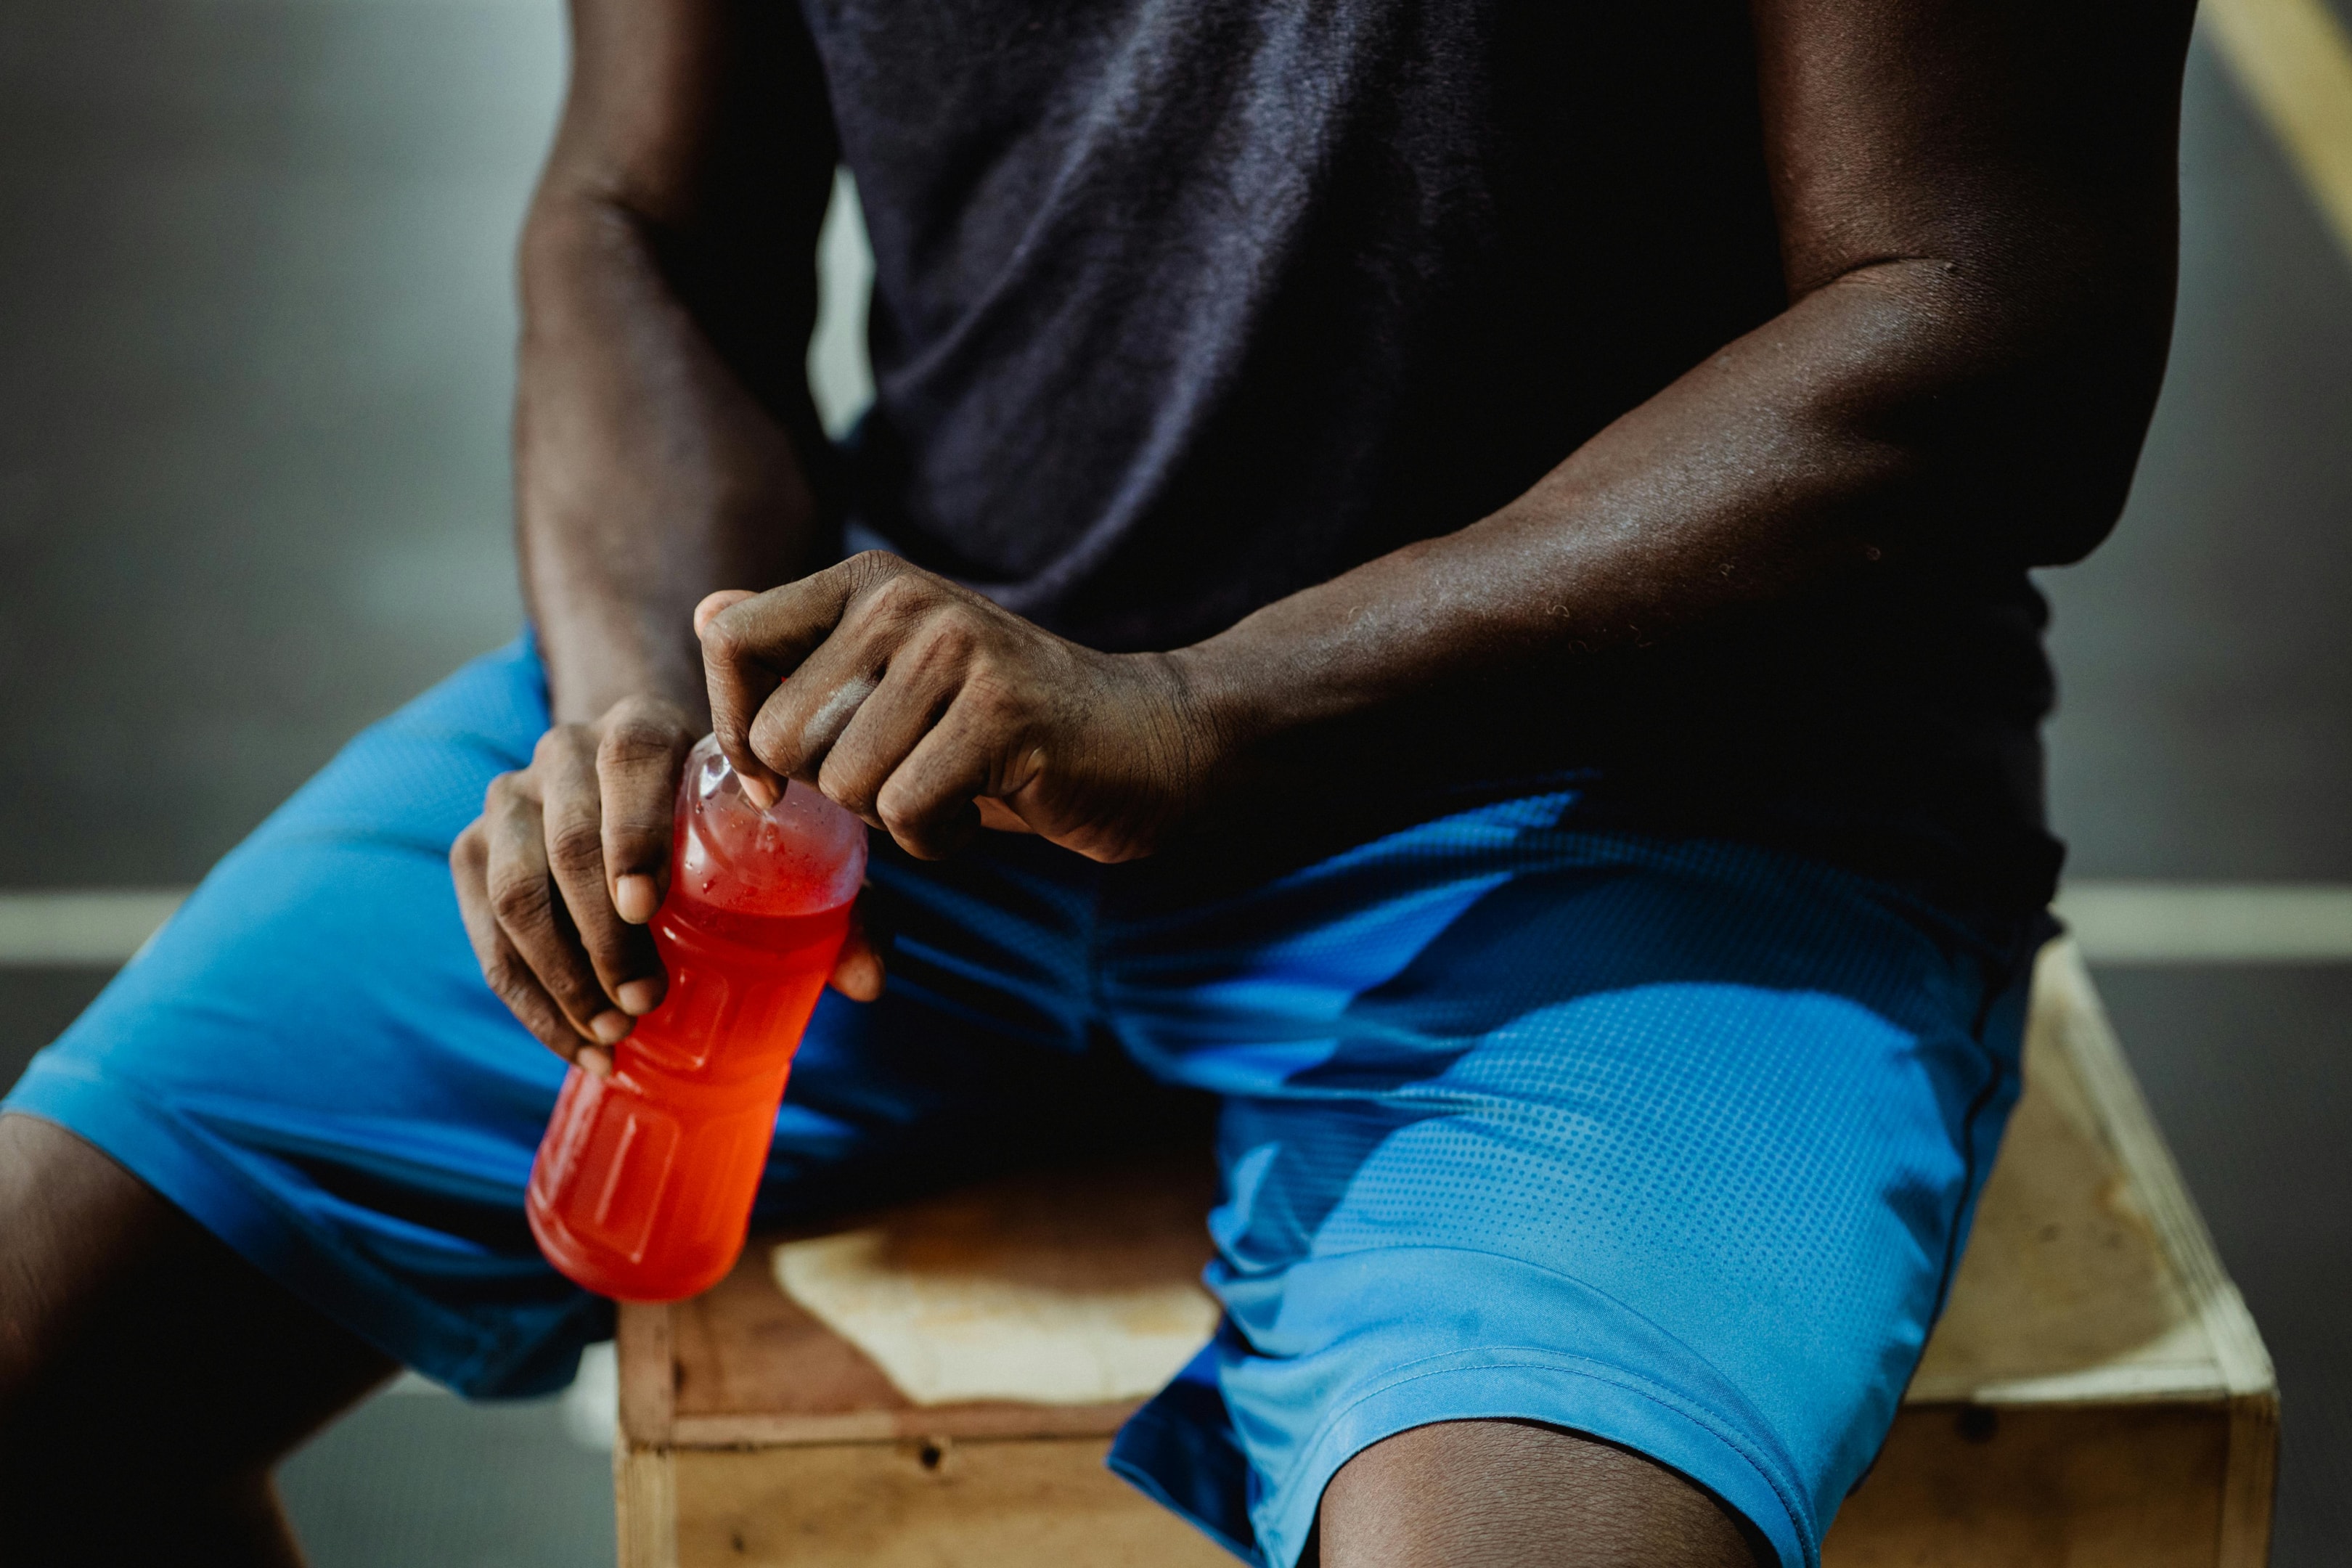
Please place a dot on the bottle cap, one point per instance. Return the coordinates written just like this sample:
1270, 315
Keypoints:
800, 856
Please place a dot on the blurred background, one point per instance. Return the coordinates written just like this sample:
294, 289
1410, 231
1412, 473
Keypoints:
256, 328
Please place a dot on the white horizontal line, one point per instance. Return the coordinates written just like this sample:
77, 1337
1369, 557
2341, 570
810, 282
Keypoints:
77, 927
2209, 922
2114, 922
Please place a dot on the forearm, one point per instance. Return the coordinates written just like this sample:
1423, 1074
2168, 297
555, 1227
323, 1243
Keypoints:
1977, 211
647, 475
1897, 418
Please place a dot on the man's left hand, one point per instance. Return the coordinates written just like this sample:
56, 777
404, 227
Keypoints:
932, 713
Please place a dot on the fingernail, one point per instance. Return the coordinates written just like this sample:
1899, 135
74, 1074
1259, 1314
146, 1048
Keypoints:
593, 1060
640, 995
759, 792
634, 898
608, 1026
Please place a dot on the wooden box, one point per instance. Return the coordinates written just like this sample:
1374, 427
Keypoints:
2096, 1396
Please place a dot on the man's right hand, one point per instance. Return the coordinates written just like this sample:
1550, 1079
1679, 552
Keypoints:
568, 861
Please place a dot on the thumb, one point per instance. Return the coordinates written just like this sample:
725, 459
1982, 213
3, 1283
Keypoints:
858, 972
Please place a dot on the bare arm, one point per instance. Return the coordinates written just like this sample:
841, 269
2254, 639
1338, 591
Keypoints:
1978, 223
668, 288
663, 434
1976, 201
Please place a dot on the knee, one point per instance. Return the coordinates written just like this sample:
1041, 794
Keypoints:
1516, 1494
71, 1219
86, 1272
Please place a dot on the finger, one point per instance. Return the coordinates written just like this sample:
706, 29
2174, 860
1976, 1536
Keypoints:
795, 728
925, 670
565, 765
903, 641
858, 972
502, 968
999, 817
750, 645
638, 758
924, 674
714, 603
928, 805
725, 598
523, 898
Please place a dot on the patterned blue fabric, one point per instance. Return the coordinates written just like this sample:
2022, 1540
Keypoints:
1669, 1141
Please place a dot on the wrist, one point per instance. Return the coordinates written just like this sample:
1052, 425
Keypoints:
1219, 713
589, 675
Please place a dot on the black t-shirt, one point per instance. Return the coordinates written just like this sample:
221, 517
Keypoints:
1184, 305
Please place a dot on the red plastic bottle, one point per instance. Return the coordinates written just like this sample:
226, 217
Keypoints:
643, 1184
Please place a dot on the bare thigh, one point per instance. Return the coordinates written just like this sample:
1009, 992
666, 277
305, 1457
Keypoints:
1516, 1494
149, 1376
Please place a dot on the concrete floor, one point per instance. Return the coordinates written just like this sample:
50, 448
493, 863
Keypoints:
256, 321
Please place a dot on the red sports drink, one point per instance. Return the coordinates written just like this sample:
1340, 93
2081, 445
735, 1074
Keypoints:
643, 1186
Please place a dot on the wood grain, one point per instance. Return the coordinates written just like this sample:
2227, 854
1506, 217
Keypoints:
2120, 1486
645, 1501
1035, 1504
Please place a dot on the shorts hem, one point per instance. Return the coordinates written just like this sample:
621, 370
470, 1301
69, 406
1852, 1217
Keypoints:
1524, 1383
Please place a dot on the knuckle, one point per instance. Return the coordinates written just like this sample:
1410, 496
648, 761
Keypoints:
606, 942
505, 975
950, 638
768, 733
643, 708
571, 991
578, 845
519, 901
555, 745
575, 996
844, 783
870, 566
895, 597
622, 759
636, 738
727, 638
899, 811
631, 837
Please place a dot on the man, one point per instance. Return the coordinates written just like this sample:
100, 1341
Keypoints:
1451, 578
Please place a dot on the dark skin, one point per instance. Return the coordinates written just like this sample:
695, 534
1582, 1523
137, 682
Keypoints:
1975, 207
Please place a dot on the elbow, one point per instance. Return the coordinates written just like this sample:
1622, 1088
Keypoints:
2069, 453
2031, 438
569, 233
2090, 405
2059, 471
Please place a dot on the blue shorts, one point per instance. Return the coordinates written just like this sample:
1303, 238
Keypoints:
1669, 1141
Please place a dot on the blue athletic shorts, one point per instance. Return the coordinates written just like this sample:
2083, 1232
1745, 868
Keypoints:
1669, 1141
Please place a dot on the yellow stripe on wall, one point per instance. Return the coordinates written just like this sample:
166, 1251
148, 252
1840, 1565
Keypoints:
2293, 59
